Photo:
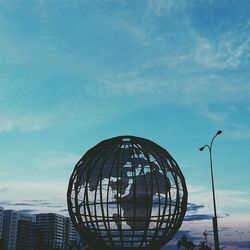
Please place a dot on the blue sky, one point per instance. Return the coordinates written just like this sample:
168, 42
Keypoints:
73, 73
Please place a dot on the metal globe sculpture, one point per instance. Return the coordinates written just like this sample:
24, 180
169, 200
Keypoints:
127, 193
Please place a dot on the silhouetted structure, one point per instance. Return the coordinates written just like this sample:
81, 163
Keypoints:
215, 223
1, 222
204, 246
25, 235
54, 231
46, 231
11, 222
184, 242
127, 193
2, 246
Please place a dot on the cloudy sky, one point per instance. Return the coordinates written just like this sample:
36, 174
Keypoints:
73, 73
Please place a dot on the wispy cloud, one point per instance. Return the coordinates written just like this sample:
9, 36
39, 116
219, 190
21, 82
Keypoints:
56, 160
218, 117
225, 53
3, 189
158, 7
27, 211
194, 207
202, 195
188, 75
197, 217
23, 195
238, 133
25, 122
237, 198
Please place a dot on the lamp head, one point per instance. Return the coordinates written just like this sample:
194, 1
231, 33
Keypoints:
202, 148
218, 132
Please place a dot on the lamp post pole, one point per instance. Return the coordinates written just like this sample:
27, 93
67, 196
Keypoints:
215, 224
239, 233
205, 235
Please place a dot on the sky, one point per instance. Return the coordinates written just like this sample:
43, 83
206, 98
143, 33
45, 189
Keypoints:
73, 73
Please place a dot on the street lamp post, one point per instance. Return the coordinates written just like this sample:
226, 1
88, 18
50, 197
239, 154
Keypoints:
205, 235
239, 233
215, 224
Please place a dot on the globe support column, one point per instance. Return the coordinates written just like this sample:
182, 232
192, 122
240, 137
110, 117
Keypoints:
215, 223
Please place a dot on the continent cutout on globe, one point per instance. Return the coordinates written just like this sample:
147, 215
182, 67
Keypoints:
142, 188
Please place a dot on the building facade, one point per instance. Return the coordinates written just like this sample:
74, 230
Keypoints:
10, 227
70, 232
54, 231
26, 238
46, 231
1, 228
1, 222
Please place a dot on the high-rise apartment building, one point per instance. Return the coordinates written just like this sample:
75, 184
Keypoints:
70, 232
11, 221
44, 231
1, 222
54, 231
1, 228
26, 235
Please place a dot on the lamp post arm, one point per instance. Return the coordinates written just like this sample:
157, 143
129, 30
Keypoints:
202, 148
211, 144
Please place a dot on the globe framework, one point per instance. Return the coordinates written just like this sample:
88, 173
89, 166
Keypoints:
127, 192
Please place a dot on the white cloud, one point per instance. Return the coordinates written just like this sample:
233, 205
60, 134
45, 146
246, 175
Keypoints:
56, 161
215, 116
25, 122
159, 6
48, 193
193, 68
228, 204
233, 198
227, 200
137, 33
226, 52
40, 196
131, 84
238, 133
